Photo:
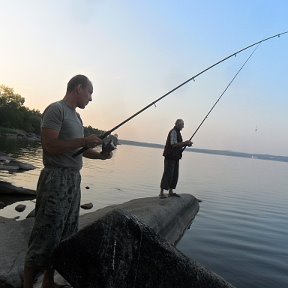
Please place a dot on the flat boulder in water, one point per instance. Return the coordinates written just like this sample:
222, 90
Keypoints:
10, 189
10, 164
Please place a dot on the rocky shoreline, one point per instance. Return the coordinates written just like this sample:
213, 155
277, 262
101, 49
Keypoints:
165, 220
10, 164
10, 193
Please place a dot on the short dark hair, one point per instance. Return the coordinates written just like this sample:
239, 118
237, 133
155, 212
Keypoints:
178, 121
75, 81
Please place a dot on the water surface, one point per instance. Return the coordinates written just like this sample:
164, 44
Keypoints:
240, 231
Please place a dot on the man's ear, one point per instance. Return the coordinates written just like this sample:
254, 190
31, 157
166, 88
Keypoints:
78, 89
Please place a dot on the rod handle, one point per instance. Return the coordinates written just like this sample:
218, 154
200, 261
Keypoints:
83, 149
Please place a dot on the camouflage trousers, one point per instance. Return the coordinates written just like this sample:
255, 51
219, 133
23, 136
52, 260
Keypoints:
56, 213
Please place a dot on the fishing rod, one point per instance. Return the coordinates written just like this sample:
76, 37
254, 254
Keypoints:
240, 69
103, 136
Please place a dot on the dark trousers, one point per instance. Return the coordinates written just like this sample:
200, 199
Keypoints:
170, 175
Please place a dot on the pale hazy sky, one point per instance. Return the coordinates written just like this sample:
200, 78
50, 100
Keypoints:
136, 51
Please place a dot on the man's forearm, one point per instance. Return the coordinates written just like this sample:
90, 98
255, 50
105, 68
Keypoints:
57, 146
93, 154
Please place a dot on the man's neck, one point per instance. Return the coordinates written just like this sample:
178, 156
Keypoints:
69, 100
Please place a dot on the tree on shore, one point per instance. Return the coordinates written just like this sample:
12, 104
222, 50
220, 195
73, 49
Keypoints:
14, 115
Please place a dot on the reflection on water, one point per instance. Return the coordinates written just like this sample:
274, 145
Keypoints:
240, 231
27, 152
19, 147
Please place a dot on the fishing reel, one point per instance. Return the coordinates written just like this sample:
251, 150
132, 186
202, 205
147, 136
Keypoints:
108, 145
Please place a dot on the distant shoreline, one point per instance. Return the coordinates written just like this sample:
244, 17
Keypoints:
278, 158
214, 152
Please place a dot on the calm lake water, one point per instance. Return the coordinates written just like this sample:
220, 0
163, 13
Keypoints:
240, 231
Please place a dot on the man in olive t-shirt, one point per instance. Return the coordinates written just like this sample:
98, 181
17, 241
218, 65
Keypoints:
58, 187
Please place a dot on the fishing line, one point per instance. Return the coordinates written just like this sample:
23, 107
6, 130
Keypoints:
103, 136
240, 69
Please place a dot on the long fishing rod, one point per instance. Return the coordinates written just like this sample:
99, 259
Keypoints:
240, 69
177, 87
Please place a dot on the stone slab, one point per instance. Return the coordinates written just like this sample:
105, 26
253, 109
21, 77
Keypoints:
120, 251
168, 217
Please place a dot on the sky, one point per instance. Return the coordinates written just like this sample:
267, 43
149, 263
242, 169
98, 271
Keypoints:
136, 51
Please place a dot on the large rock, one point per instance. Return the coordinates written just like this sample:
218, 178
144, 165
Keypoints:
14, 237
10, 189
10, 194
121, 251
168, 217
10, 164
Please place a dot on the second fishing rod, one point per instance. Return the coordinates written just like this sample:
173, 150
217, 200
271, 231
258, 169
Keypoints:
224, 91
110, 145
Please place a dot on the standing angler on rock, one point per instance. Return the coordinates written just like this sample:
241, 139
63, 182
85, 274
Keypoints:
58, 188
172, 153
